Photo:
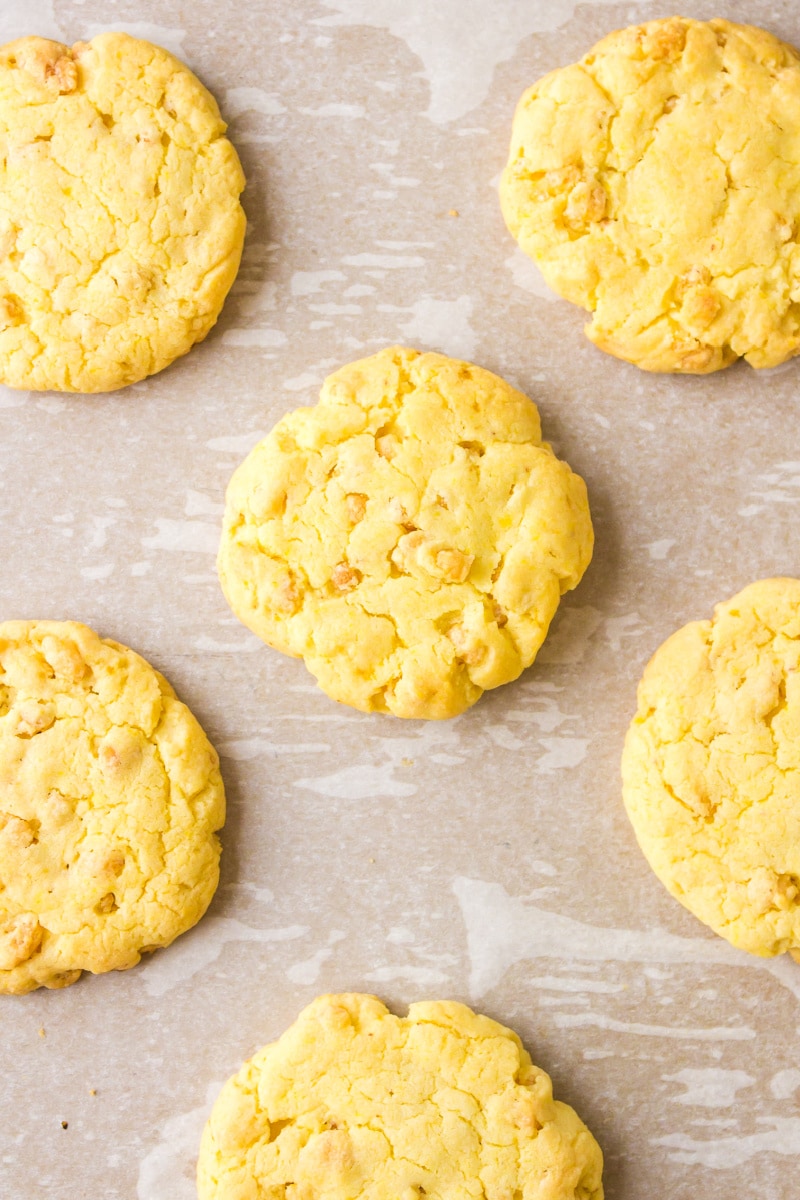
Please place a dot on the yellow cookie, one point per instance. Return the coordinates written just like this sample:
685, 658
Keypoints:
409, 537
657, 184
120, 223
711, 768
109, 798
355, 1102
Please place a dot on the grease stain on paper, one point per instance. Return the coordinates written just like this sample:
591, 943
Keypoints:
502, 930
459, 49
709, 1087
240, 100
31, 16
363, 781
167, 1172
189, 537
443, 325
727, 1153
526, 275
307, 971
192, 954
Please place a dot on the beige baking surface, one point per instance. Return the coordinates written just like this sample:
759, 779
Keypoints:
486, 859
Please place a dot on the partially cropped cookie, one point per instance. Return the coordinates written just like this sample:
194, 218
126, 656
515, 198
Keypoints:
110, 795
120, 223
353, 1101
409, 537
711, 768
657, 184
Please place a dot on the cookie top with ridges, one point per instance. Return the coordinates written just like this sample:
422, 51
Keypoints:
120, 223
110, 794
657, 184
355, 1102
409, 537
711, 768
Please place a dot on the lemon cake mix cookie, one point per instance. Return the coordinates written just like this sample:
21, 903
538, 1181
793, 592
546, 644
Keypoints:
120, 223
110, 794
409, 537
657, 184
711, 767
354, 1102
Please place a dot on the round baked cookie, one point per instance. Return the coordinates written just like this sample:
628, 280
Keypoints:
711, 767
354, 1102
657, 184
409, 537
120, 223
109, 798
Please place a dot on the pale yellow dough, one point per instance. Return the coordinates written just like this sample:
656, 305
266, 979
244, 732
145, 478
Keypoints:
120, 223
409, 537
711, 767
353, 1103
657, 184
110, 794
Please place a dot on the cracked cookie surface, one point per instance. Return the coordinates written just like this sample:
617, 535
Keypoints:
353, 1102
120, 223
409, 537
711, 767
110, 795
657, 184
